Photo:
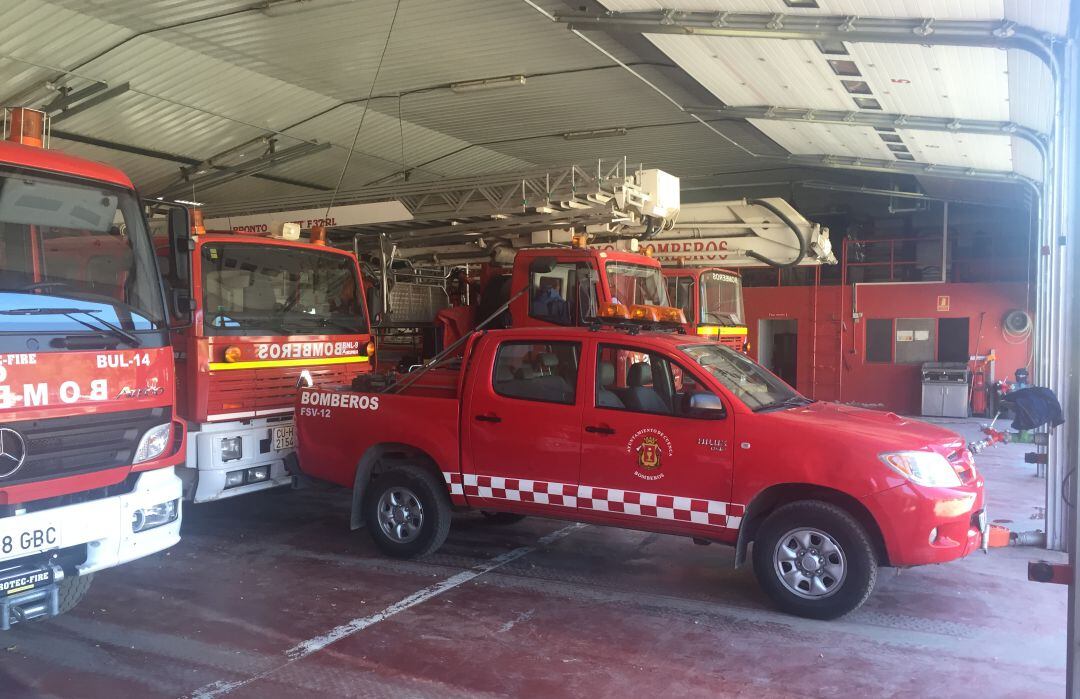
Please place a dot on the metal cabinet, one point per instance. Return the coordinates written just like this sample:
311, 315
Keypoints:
946, 389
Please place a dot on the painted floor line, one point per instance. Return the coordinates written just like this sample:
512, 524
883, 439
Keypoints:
313, 645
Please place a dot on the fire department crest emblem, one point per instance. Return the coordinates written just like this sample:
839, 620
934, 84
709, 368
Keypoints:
649, 454
649, 447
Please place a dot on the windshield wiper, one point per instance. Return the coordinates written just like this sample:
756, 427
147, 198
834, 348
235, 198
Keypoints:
108, 327
789, 402
326, 322
726, 318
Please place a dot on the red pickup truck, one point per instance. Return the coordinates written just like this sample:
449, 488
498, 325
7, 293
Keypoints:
654, 431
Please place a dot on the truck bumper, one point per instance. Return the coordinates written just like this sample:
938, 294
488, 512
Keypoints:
923, 525
207, 475
84, 538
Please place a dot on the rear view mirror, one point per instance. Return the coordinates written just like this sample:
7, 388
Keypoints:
706, 405
543, 265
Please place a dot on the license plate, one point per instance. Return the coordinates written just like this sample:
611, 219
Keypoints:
23, 542
23, 579
283, 438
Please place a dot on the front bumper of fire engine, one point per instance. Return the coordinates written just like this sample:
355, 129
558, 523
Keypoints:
922, 525
234, 458
39, 549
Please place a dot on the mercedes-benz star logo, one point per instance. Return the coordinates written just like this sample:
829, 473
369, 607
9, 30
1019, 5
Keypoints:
12, 451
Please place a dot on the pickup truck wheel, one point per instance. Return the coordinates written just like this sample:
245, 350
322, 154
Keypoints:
407, 512
814, 560
501, 517
72, 591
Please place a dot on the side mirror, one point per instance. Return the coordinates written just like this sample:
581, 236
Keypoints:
183, 304
706, 405
180, 242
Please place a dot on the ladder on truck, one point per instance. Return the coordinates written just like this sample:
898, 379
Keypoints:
442, 212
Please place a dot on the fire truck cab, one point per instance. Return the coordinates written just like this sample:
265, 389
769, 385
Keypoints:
550, 286
711, 299
263, 313
88, 433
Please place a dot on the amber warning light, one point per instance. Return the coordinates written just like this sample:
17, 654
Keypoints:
642, 314
28, 127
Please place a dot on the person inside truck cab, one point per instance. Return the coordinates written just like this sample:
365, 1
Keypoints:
548, 303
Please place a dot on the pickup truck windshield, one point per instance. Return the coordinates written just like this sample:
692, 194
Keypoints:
251, 289
74, 258
632, 284
749, 381
721, 298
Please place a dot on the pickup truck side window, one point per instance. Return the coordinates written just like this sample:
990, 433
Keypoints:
564, 295
540, 371
645, 382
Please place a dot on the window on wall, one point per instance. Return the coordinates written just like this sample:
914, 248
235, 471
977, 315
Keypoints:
916, 340
879, 341
952, 344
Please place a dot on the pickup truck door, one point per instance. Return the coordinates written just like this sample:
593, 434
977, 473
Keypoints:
521, 428
649, 459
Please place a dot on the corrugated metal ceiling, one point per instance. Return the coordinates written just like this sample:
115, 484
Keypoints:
229, 75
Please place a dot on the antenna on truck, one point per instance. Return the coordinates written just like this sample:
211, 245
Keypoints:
542, 265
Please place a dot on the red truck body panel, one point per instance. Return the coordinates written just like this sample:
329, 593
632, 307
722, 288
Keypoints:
654, 472
15, 155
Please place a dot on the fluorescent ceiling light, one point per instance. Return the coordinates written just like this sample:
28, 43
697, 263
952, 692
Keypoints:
488, 83
596, 133
186, 202
284, 8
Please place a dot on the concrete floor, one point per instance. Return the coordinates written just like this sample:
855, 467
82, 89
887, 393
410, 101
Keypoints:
271, 596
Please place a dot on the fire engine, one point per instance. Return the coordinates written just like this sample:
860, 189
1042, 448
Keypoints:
634, 427
442, 254
88, 433
711, 300
261, 314
566, 292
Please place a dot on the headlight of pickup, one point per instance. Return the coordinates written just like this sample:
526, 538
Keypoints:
923, 467
153, 443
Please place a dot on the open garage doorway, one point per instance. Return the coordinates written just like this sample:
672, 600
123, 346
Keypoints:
778, 347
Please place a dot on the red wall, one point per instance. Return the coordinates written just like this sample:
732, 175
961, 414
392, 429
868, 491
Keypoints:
836, 368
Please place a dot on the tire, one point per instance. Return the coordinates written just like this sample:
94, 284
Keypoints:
72, 591
407, 512
501, 518
814, 537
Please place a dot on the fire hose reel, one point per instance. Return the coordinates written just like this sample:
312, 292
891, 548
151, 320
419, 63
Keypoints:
1016, 322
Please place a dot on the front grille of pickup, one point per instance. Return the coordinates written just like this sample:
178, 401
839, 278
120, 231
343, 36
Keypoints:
69, 446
